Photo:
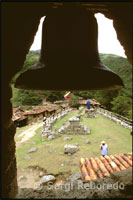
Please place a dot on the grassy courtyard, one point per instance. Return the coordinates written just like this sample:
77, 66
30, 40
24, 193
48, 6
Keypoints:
117, 137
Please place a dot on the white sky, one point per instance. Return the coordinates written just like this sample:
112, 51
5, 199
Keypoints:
107, 39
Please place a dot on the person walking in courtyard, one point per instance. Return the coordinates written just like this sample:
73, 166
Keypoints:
104, 148
44, 122
88, 104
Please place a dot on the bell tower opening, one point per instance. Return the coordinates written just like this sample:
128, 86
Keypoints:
36, 45
107, 37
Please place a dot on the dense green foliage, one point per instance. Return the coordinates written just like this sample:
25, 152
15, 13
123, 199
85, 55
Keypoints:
122, 104
30, 61
32, 99
74, 101
118, 101
53, 96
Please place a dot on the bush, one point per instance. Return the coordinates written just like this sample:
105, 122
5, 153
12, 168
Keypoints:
74, 101
122, 105
28, 97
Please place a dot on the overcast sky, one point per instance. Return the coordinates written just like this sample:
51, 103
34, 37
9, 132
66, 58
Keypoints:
107, 39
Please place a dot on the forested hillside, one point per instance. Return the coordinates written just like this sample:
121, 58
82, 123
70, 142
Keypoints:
119, 101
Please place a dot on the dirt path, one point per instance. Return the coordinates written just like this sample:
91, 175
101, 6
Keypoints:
30, 178
30, 132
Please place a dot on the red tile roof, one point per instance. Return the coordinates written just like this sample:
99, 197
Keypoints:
83, 102
17, 110
94, 168
36, 110
92, 101
52, 109
19, 114
41, 109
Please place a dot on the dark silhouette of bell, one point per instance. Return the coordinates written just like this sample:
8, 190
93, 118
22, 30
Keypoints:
69, 58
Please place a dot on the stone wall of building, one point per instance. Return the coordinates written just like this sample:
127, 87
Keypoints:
74, 127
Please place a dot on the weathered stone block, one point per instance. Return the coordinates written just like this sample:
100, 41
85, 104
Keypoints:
70, 148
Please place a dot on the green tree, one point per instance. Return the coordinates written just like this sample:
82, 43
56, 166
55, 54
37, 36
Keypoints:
53, 95
130, 114
122, 105
74, 101
105, 97
30, 62
28, 97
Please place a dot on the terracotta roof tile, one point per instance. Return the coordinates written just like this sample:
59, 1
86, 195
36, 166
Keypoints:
102, 167
84, 174
106, 164
36, 110
94, 168
122, 161
125, 157
19, 114
130, 157
93, 176
118, 163
83, 102
17, 110
112, 163
92, 101
41, 109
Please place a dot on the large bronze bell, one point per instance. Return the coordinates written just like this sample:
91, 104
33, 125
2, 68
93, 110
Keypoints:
69, 58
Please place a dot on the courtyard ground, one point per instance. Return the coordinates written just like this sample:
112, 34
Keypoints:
50, 154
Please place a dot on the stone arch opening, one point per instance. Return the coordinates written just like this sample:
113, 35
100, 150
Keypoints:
107, 36
36, 45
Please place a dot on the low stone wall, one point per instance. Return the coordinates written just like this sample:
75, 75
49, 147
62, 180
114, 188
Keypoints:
46, 132
123, 121
90, 113
74, 127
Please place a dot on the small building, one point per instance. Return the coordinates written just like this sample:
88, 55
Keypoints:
22, 118
19, 117
17, 110
63, 104
36, 114
93, 103
39, 112
54, 109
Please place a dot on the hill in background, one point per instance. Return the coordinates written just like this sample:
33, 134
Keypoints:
119, 101
120, 66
